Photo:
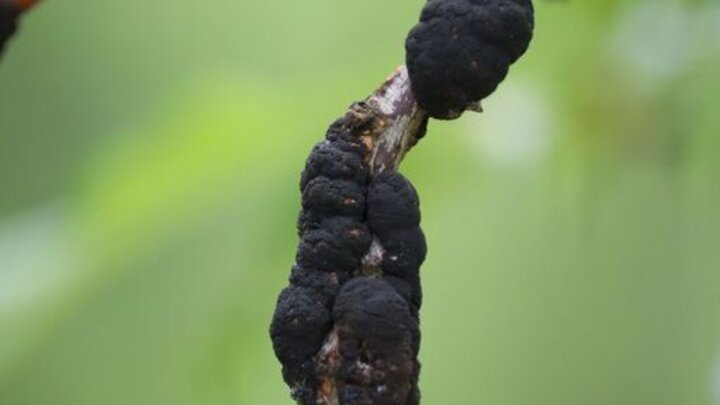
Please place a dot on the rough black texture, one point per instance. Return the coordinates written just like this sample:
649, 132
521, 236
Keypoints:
8, 23
409, 288
338, 245
374, 316
298, 329
393, 204
323, 285
336, 158
333, 240
325, 196
377, 333
462, 49
394, 217
405, 252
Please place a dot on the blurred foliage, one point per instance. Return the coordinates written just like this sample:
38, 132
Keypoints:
149, 157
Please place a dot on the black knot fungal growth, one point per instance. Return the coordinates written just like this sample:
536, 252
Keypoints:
347, 332
298, 329
394, 218
338, 245
462, 49
333, 240
376, 335
393, 204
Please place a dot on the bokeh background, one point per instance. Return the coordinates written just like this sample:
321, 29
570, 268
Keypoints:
149, 160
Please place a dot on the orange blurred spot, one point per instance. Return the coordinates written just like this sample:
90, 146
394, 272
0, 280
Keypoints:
24, 4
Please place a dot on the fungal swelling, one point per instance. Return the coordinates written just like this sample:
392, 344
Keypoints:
342, 331
346, 329
462, 49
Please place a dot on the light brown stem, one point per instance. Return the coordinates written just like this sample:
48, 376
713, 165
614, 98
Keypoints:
399, 122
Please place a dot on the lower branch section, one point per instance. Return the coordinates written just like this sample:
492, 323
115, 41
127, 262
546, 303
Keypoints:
346, 329
370, 355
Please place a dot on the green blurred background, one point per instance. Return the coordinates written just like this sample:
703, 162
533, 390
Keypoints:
149, 159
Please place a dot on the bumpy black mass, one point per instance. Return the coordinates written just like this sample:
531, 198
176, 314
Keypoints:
462, 49
344, 329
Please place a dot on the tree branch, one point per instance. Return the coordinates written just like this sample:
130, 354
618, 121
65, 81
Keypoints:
393, 124
346, 329
400, 122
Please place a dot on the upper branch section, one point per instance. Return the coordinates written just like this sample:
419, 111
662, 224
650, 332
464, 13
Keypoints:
462, 49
